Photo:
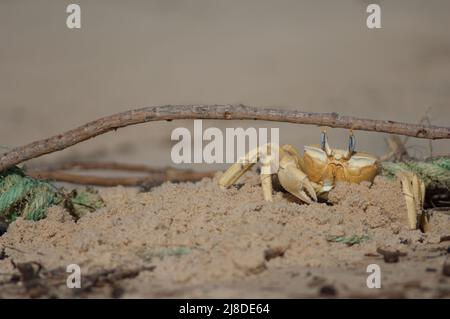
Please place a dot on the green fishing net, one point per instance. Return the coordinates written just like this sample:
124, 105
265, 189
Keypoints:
434, 172
22, 195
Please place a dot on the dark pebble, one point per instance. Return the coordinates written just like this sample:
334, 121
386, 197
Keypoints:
390, 256
272, 253
446, 268
3, 255
328, 291
238, 186
445, 238
3, 228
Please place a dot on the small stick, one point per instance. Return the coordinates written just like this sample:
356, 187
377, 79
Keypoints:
227, 112
398, 151
61, 176
114, 166
150, 180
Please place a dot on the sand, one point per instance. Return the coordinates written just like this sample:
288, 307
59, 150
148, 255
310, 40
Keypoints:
313, 56
197, 240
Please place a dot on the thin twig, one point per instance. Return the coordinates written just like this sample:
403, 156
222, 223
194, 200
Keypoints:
397, 146
228, 112
114, 166
151, 180
154, 176
398, 151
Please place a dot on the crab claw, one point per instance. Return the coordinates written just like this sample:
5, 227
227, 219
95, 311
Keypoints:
296, 182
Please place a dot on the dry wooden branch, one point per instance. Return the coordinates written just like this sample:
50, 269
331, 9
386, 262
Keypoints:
154, 176
146, 181
113, 166
228, 112
62, 176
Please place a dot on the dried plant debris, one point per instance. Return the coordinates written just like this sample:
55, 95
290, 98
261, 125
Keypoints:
37, 282
80, 202
150, 254
350, 240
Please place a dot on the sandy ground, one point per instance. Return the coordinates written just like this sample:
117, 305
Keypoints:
307, 55
197, 240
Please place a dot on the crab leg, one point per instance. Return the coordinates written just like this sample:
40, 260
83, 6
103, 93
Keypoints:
266, 183
234, 172
273, 160
246, 162
414, 192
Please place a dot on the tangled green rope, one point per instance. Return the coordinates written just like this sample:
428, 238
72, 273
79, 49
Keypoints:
434, 173
22, 195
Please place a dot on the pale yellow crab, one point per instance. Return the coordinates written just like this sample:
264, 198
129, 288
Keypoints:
309, 176
315, 173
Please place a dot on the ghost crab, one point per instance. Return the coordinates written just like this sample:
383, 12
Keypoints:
307, 177
314, 174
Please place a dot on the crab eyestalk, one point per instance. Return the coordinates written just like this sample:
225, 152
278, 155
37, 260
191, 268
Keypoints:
324, 143
351, 146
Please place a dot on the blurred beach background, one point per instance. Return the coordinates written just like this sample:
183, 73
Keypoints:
316, 56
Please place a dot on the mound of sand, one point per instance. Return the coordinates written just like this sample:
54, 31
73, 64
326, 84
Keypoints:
207, 242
